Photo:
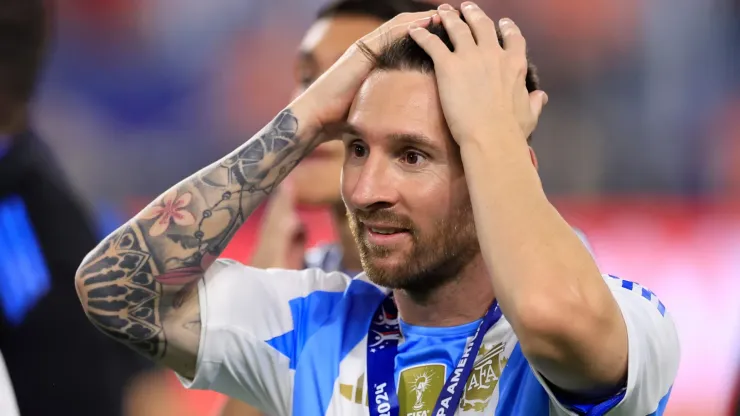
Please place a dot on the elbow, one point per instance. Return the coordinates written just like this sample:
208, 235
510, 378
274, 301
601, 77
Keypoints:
96, 295
80, 288
87, 277
83, 296
551, 330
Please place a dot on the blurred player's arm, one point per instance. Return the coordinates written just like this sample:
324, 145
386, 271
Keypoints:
140, 284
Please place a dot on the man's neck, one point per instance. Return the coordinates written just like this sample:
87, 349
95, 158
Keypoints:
350, 254
460, 301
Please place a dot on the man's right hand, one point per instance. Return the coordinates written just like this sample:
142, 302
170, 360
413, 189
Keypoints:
327, 101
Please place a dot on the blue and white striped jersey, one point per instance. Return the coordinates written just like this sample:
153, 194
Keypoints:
294, 342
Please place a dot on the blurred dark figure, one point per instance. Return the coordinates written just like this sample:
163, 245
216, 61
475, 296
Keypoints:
54, 357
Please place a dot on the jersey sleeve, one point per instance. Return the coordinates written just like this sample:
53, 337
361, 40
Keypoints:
654, 354
251, 330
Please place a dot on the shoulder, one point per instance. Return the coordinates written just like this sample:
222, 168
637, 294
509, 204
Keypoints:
654, 347
288, 281
634, 294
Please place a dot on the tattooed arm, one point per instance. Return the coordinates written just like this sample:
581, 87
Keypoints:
139, 285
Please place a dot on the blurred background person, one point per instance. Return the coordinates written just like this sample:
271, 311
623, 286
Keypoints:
53, 359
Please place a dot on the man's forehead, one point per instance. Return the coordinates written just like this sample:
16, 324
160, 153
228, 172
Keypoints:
397, 102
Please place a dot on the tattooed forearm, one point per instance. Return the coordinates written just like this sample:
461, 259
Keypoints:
138, 280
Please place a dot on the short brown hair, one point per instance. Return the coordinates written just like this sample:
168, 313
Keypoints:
406, 54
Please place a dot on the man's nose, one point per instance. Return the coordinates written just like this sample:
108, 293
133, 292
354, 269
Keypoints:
376, 187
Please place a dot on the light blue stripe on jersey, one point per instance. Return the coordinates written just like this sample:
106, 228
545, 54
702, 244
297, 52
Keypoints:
308, 313
517, 383
520, 394
318, 365
432, 345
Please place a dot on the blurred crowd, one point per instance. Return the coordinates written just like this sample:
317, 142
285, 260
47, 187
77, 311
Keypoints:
137, 94
647, 92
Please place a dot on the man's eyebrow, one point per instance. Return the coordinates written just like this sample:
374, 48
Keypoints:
398, 139
347, 128
412, 140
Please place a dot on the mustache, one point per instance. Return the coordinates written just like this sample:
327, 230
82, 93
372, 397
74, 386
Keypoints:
382, 216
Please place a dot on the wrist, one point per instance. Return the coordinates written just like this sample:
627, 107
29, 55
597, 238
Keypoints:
309, 125
503, 135
500, 156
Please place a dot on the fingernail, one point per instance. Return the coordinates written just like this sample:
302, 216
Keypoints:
545, 99
445, 7
469, 5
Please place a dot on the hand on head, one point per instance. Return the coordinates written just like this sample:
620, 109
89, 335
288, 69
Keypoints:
329, 98
481, 84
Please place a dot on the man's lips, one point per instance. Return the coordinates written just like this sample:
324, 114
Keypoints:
383, 228
380, 234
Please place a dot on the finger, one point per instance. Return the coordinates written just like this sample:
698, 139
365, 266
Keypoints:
537, 101
513, 40
483, 28
458, 31
408, 18
385, 35
403, 20
431, 44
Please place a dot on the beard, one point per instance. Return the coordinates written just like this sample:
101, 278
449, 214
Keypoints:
436, 255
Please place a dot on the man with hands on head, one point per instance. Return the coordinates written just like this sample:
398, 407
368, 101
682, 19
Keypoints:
315, 181
477, 297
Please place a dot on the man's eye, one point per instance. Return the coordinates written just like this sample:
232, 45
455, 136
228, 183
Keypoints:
412, 158
358, 150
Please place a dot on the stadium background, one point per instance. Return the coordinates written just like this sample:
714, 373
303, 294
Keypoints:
639, 147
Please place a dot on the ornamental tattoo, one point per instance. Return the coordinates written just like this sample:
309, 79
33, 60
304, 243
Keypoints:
148, 268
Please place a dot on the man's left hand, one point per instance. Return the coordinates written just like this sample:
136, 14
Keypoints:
481, 85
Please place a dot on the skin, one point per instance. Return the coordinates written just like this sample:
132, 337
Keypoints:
316, 180
532, 262
404, 170
533, 259
139, 285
